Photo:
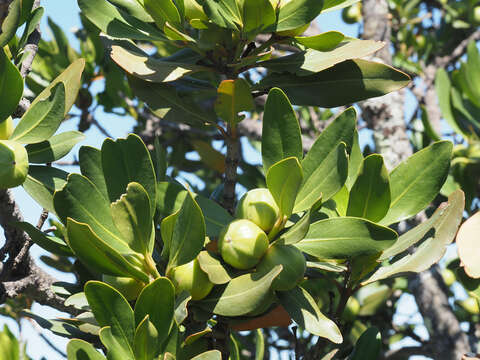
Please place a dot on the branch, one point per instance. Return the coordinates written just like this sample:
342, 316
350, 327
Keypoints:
31, 47
231, 164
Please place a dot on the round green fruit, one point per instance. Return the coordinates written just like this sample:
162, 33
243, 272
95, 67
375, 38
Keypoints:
293, 263
6, 129
192, 278
448, 277
194, 10
128, 287
258, 206
421, 41
13, 164
471, 305
242, 244
476, 14
352, 14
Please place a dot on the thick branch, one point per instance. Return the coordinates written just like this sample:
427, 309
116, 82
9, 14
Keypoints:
231, 164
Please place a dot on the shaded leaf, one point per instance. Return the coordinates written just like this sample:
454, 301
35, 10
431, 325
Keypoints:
145, 345
90, 160
233, 96
11, 82
81, 350
326, 41
54, 148
213, 267
52, 244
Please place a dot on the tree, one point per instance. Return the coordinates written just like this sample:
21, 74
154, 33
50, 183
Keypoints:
177, 271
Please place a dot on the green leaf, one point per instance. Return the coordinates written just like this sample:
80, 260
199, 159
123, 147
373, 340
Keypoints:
297, 13
97, 254
11, 83
181, 310
324, 181
209, 355
326, 41
159, 161
281, 131
42, 182
415, 182
139, 64
284, 180
233, 97
80, 200
216, 217
52, 244
134, 8
81, 350
467, 242
224, 13
162, 12
296, 232
117, 348
11, 20
54, 148
257, 15
259, 344
355, 161
333, 5
188, 234
71, 79
117, 23
370, 195
157, 300
112, 309
311, 61
125, 161
145, 344
368, 346
345, 83
42, 120
440, 234
90, 160
132, 217
241, 295
346, 237
305, 312
213, 267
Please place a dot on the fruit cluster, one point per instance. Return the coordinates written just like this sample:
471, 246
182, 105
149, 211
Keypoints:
13, 158
244, 244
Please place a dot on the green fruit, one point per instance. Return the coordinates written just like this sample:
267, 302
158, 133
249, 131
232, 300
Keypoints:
448, 277
471, 305
6, 128
421, 41
476, 14
352, 14
242, 244
190, 277
258, 206
13, 164
194, 10
293, 263
128, 287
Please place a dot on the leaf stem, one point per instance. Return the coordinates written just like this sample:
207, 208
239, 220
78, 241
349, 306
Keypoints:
151, 267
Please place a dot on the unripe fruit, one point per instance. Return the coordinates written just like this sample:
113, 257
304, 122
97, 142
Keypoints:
471, 305
448, 277
192, 278
13, 164
6, 129
352, 14
258, 206
128, 287
476, 14
242, 244
421, 41
194, 10
293, 263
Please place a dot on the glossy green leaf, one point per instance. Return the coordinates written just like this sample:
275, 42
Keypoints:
213, 267
90, 160
145, 344
440, 234
157, 300
52, 244
324, 181
71, 79
117, 348
81, 350
209, 355
80, 200
259, 344
42, 120
368, 346
284, 180
415, 182
224, 13
346, 237
341, 201
11, 19
159, 161
345, 83
134, 8
326, 41
311, 61
297, 13
42, 182
188, 234
241, 295
216, 217
467, 243
11, 85
117, 23
139, 64
54, 148
354, 162
233, 96
443, 87
281, 131
125, 161
181, 310
132, 217
97, 254
257, 15
162, 12
112, 309
333, 5
305, 312
296, 232
166, 230
370, 195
